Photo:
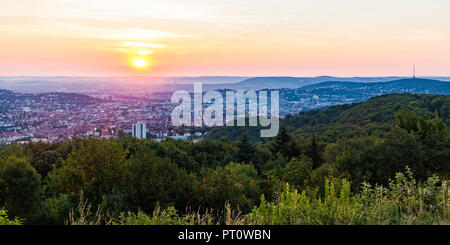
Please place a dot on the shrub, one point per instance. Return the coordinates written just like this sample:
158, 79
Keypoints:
4, 220
403, 201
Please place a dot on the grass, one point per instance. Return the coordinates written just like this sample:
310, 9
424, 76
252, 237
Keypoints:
403, 201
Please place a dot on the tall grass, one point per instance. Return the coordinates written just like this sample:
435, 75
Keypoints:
402, 201
84, 215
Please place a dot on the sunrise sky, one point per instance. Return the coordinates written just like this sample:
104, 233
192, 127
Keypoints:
232, 37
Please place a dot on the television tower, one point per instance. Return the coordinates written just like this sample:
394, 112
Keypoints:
414, 71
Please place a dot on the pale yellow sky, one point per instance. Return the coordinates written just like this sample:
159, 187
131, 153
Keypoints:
250, 38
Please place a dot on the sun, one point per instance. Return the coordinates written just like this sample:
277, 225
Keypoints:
140, 62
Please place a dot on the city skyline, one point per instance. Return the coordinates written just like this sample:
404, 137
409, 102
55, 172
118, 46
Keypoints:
232, 38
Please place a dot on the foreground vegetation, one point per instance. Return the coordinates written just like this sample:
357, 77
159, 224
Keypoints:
313, 173
403, 201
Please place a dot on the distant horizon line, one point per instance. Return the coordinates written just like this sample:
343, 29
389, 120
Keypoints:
205, 76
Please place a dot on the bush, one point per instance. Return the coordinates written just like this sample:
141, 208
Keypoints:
4, 220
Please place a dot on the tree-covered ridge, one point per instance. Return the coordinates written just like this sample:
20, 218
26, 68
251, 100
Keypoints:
372, 117
414, 85
130, 181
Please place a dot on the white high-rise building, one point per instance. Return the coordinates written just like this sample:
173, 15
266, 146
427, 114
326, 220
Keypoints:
139, 130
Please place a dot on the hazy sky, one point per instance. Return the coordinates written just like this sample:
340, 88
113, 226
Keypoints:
232, 37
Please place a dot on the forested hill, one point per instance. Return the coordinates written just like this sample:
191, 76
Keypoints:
372, 117
415, 85
379, 109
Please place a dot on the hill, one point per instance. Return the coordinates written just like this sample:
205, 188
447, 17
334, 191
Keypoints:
415, 85
54, 101
297, 82
271, 82
372, 117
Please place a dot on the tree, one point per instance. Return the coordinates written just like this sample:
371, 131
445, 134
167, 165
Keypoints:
96, 167
45, 162
314, 153
299, 171
236, 184
158, 180
246, 150
284, 144
20, 188
428, 152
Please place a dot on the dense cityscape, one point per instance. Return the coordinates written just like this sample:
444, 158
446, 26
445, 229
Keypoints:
54, 117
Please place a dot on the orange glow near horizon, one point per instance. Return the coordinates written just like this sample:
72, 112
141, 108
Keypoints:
230, 38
